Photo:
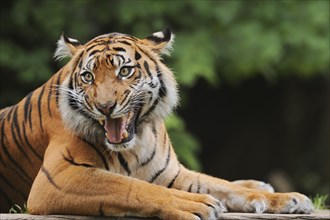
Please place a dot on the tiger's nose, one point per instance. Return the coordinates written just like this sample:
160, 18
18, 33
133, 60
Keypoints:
106, 108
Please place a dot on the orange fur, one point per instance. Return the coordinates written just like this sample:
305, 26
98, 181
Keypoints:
92, 141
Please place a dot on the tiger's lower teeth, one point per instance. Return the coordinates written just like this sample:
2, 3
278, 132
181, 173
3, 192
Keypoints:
125, 135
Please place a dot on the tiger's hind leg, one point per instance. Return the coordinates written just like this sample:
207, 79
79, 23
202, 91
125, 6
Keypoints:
255, 184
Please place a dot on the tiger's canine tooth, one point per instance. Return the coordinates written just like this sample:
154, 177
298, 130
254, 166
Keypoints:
125, 134
101, 121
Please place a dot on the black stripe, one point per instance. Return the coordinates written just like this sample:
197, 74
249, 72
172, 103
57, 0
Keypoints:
119, 49
94, 52
50, 96
71, 160
30, 118
151, 157
14, 126
124, 42
127, 103
10, 112
198, 184
58, 81
74, 79
78, 62
162, 91
165, 166
137, 55
2, 138
152, 85
2, 115
153, 106
7, 155
95, 45
189, 189
39, 107
50, 179
27, 103
146, 66
146, 54
138, 76
170, 185
73, 103
126, 93
124, 163
121, 59
28, 143
198, 215
2, 161
98, 152
129, 37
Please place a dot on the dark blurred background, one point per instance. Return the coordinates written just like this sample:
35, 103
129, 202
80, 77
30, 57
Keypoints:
253, 75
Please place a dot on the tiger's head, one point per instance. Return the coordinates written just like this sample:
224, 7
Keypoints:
114, 84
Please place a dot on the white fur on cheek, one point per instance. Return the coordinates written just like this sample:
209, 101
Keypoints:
73, 120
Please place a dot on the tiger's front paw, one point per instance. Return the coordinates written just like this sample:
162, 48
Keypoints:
192, 206
256, 202
292, 203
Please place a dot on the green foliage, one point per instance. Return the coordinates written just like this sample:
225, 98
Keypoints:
186, 145
216, 40
16, 209
319, 202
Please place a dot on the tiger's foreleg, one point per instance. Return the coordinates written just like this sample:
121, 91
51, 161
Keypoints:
240, 198
74, 180
255, 184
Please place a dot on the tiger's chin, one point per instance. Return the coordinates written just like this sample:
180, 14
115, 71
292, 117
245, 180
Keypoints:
120, 147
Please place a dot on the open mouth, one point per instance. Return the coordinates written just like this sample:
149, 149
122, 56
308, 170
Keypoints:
119, 130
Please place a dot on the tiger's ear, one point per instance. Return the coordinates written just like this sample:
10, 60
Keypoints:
161, 42
66, 47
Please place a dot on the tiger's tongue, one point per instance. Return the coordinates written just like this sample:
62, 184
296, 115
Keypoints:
114, 129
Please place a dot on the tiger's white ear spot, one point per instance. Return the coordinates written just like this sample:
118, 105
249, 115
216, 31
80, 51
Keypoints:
163, 41
168, 48
66, 47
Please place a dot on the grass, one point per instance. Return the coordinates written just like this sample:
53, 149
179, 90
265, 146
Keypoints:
319, 202
16, 209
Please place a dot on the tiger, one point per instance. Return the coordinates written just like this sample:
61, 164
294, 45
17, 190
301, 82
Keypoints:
92, 141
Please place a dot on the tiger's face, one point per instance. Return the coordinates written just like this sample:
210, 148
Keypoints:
117, 83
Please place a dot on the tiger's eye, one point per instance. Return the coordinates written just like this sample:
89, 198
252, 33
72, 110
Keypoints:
87, 77
126, 71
